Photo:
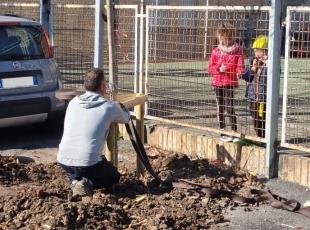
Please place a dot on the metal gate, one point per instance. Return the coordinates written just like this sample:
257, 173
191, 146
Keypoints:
296, 90
126, 30
179, 41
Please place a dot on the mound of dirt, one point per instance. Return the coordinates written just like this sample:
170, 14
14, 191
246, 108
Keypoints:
43, 200
12, 171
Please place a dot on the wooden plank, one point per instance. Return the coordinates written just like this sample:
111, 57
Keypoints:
128, 99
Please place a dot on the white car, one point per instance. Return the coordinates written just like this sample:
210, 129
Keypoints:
29, 76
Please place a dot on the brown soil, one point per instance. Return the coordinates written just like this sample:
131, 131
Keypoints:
38, 196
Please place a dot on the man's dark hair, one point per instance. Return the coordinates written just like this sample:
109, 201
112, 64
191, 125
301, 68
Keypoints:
93, 79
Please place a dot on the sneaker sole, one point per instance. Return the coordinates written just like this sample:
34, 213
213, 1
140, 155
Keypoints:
80, 190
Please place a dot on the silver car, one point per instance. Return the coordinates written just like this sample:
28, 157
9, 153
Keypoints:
29, 75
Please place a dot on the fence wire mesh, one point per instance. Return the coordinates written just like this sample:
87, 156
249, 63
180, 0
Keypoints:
30, 8
180, 43
197, 2
179, 46
125, 35
73, 41
297, 107
74, 30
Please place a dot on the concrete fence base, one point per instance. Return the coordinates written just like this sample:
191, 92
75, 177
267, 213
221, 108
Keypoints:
295, 168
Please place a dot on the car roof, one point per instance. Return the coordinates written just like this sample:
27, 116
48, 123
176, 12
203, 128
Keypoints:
18, 19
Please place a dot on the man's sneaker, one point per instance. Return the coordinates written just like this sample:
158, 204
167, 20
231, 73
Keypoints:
82, 188
236, 139
226, 138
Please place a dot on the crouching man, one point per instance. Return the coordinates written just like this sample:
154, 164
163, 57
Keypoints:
86, 127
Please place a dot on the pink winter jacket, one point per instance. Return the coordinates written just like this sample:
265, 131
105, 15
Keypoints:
232, 58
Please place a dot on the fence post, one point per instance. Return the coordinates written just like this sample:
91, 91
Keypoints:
137, 51
206, 31
98, 44
139, 109
272, 111
51, 31
286, 75
141, 46
45, 9
111, 151
139, 113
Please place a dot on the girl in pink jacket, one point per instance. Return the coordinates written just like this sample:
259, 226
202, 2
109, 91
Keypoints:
226, 63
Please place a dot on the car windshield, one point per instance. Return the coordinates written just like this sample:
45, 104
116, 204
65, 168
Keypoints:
21, 43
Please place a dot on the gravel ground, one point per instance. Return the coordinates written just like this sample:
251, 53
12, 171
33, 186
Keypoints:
39, 143
266, 217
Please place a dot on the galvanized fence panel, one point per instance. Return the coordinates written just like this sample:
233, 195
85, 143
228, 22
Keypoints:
73, 37
30, 8
126, 32
296, 92
73, 34
179, 44
73, 41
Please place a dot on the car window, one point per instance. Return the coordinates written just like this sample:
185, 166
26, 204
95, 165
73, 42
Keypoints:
21, 43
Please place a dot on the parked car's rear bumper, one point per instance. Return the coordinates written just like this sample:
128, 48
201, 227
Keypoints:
25, 109
23, 120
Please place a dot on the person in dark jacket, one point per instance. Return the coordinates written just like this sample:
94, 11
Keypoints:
256, 78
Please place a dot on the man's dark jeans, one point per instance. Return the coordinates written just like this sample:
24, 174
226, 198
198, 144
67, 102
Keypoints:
102, 175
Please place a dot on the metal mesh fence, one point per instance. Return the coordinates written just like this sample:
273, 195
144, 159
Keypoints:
296, 123
180, 42
30, 8
198, 2
125, 34
73, 41
73, 24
